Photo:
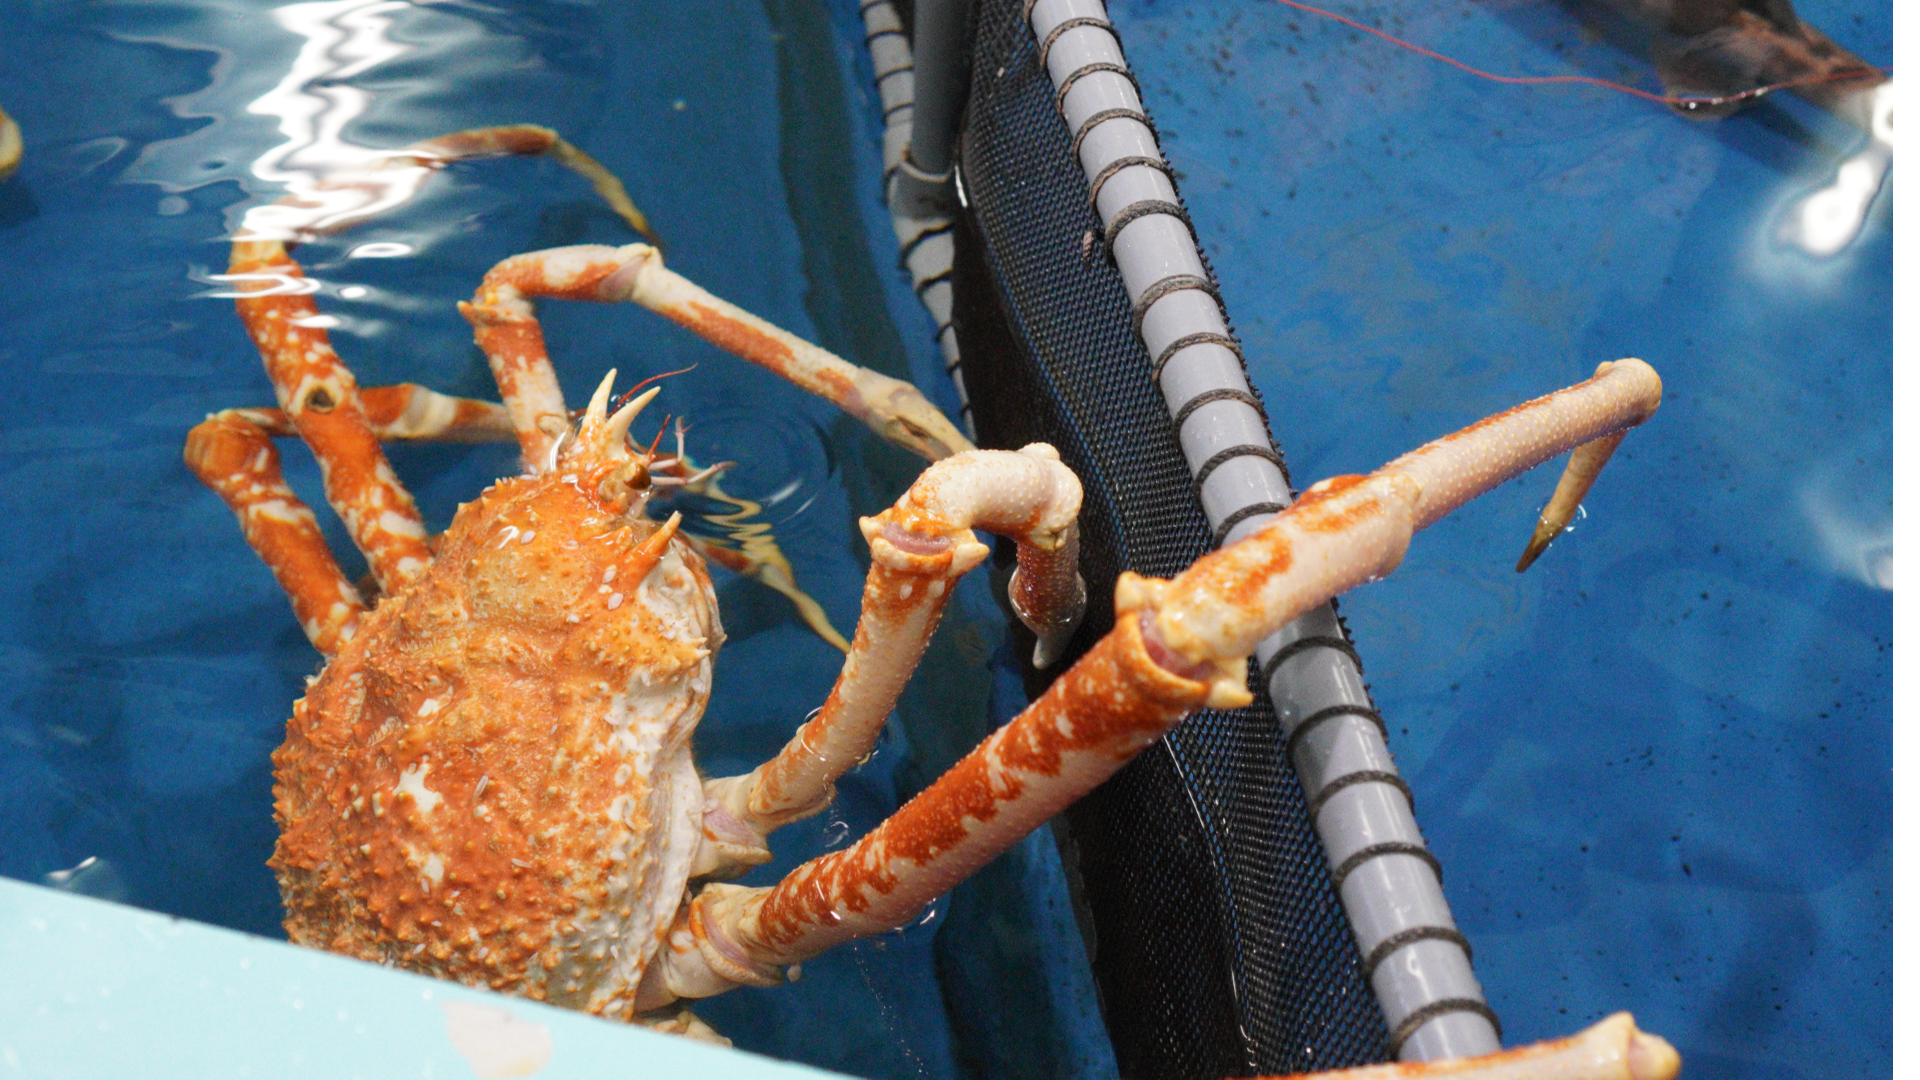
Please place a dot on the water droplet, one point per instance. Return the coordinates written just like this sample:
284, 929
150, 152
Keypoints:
834, 834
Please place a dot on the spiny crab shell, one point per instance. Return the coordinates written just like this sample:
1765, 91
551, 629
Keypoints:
493, 781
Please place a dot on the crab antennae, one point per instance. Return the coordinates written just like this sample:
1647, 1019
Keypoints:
655, 378
619, 422
661, 434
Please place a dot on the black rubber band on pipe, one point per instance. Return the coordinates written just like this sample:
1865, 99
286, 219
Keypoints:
1300, 645
1073, 24
1265, 453
1134, 211
1384, 848
1418, 1018
1066, 84
1365, 712
1102, 117
1240, 515
1106, 173
1205, 337
1393, 943
1358, 776
1173, 283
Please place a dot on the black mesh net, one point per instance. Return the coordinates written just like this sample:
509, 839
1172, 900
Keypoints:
1218, 943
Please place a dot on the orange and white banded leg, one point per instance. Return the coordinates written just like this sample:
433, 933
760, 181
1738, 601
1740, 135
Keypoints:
892, 408
408, 412
319, 396
920, 545
232, 453
1176, 645
1349, 530
1613, 1049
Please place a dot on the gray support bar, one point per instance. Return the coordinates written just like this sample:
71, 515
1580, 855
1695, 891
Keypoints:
922, 224
940, 56
1418, 963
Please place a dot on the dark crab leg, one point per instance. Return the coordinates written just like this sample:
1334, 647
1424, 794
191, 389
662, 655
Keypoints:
1175, 646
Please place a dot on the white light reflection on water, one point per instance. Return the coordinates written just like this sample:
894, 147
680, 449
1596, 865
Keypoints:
329, 181
1855, 527
1826, 221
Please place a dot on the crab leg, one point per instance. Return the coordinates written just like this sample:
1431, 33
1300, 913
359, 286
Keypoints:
232, 452
356, 192
1175, 646
503, 323
920, 546
408, 412
320, 397
234, 455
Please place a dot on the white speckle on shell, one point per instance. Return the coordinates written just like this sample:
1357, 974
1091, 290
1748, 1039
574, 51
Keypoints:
413, 781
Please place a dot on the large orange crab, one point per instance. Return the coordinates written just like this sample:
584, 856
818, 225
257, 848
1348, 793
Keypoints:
491, 780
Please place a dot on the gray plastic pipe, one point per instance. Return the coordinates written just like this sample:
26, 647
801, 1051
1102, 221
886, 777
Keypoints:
1416, 959
940, 56
922, 222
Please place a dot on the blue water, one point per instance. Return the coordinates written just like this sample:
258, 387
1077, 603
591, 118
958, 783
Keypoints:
1656, 766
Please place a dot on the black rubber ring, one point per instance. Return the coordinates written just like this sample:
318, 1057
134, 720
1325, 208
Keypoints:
1374, 851
1205, 337
1066, 84
891, 72
1365, 712
1134, 211
865, 4
1102, 117
1106, 173
1358, 776
886, 118
907, 249
1208, 397
1393, 943
895, 31
1240, 515
1074, 23
1299, 645
1417, 1018
1173, 283
920, 287
1267, 453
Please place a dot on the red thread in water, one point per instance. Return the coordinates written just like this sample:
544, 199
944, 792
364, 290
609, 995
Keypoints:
1684, 103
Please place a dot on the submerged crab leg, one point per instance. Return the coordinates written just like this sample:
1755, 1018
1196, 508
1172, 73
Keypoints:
234, 455
503, 324
1176, 645
408, 412
921, 545
383, 180
319, 395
